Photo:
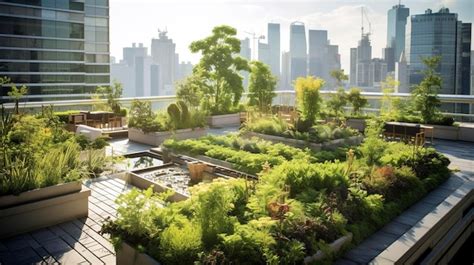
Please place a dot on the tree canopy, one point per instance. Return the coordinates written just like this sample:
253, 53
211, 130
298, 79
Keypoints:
261, 86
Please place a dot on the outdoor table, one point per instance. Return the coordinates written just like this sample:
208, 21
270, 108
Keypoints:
405, 125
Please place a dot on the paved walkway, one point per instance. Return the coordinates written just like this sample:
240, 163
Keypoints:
461, 155
74, 242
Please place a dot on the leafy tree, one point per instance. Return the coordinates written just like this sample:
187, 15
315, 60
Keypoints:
15, 93
356, 100
338, 101
339, 76
308, 98
112, 94
142, 117
261, 86
190, 90
219, 67
425, 95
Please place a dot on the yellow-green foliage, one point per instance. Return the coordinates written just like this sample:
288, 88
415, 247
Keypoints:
307, 96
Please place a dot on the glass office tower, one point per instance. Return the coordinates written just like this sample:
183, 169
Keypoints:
58, 49
298, 51
440, 34
396, 23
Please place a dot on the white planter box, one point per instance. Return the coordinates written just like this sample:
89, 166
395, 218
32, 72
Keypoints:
224, 120
31, 210
353, 140
358, 124
156, 138
127, 255
466, 133
444, 132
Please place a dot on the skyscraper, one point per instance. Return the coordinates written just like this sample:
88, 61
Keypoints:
274, 48
353, 67
317, 52
264, 53
246, 53
396, 24
130, 53
401, 74
364, 56
285, 83
298, 51
59, 49
440, 34
163, 52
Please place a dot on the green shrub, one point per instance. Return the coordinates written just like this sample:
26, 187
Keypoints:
307, 96
356, 100
180, 243
142, 117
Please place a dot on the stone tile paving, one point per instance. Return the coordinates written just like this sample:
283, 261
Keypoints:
74, 242
461, 155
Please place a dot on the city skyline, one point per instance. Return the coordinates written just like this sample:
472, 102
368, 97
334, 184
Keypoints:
244, 16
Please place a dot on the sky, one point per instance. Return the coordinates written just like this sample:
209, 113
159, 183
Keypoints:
187, 20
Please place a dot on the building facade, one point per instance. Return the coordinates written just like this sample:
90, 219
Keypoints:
353, 67
396, 30
274, 48
318, 53
163, 52
364, 57
298, 51
58, 49
245, 52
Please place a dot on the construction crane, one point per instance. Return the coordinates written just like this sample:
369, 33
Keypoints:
254, 38
363, 14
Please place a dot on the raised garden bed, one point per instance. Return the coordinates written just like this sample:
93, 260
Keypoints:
128, 255
454, 133
156, 138
330, 145
224, 120
42, 207
164, 178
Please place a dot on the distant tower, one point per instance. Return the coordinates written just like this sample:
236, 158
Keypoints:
285, 83
163, 52
401, 74
353, 67
246, 53
298, 51
396, 24
274, 48
317, 53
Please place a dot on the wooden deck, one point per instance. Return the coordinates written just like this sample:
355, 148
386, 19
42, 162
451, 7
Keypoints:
74, 242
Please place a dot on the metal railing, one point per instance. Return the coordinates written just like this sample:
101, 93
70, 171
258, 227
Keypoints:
284, 97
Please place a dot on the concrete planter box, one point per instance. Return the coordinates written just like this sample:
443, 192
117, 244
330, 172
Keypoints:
127, 255
358, 124
35, 209
353, 140
224, 120
334, 247
466, 133
444, 132
156, 138
143, 183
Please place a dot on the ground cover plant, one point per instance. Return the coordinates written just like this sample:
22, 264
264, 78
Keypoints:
318, 133
248, 155
294, 209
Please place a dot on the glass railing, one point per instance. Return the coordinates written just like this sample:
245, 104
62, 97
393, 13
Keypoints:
284, 97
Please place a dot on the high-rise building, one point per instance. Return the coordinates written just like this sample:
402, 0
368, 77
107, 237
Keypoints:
333, 61
317, 53
185, 69
465, 87
59, 49
388, 54
401, 74
274, 48
264, 53
130, 53
285, 83
154, 80
298, 51
377, 71
364, 57
163, 52
440, 34
246, 53
472, 79
353, 67
396, 25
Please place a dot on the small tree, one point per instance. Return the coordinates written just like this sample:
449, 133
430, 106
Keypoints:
425, 95
112, 94
261, 86
338, 101
339, 76
357, 101
389, 104
219, 67
15, 93
308, 98
190, 90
